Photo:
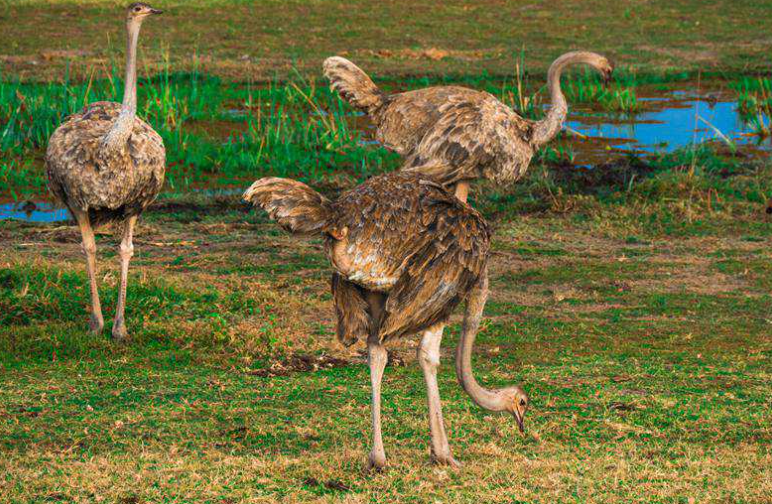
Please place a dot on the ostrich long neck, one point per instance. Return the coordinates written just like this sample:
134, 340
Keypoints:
119, 132
547, 128
489, 399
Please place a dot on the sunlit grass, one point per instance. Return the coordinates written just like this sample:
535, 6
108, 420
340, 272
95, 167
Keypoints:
645, 355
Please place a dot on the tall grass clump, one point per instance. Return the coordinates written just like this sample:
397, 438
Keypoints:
617, 96
754, 102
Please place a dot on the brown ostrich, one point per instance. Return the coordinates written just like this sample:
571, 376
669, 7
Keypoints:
107, 165
456, 134
406, 252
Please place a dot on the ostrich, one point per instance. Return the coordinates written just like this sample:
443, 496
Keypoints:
107, 165
456, 134
406, 252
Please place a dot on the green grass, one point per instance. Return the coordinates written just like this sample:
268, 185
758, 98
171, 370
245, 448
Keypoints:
234, 38
754, 101
588, 87
222, 135
646, 356
215, 134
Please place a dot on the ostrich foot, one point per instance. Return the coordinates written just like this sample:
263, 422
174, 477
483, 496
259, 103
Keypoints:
96, 323
119, 331
376, 462
446, 460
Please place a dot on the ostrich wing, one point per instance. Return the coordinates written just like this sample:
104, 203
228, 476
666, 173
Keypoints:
408, 116
353, 319
475, 136
446, 265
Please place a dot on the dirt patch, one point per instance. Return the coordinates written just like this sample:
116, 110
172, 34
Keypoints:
220, 130
332, 484
693, 282
431, 53
300, 363
53, 54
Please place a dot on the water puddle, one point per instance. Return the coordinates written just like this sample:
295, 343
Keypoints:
669, 121
31, 211
42, 211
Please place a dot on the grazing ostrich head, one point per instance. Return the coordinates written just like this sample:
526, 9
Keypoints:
138, 11
546, 129
516, 404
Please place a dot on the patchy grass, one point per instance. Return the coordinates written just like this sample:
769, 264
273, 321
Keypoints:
262, 38
647, 357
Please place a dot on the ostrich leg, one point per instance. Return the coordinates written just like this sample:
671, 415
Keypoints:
89, 248
429, 360
377, 359
126, 251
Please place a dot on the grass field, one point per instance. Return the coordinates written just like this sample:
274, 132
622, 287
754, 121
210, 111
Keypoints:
236, 38
641, 329
632, 300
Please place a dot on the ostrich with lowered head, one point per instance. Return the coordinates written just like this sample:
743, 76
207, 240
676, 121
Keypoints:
457, 134
406, 252
107, 165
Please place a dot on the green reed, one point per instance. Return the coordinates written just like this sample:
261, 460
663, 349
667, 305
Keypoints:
617, 96
754, 102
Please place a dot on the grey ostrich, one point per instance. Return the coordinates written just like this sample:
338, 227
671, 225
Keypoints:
107, 165
406, 252
454, 133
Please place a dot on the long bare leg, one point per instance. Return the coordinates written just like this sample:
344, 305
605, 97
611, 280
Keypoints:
429, 360
89, 248
126, 251
377, 357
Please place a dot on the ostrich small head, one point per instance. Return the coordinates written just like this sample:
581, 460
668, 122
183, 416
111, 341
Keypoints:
605, 67
138, 11
517, 404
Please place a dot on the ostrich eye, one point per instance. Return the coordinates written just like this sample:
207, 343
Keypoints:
522, 402
137, 9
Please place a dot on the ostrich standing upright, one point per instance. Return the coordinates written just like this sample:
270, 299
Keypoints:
457, 134
107, 165
406, 252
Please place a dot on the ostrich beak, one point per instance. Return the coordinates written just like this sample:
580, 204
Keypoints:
608, 73
156, 11
519, 420
607, 76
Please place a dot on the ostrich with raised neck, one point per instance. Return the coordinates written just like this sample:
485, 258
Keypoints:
107, 165
405, 252
457, 134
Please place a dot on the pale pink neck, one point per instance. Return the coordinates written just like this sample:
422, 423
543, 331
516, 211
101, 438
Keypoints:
123, 126
492, 400
546, 129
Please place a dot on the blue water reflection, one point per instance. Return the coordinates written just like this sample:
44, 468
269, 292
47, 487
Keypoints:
33, 212
672, 125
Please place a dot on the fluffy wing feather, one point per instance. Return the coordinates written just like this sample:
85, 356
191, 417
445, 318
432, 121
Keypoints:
448, 260
353, 84
475, 136
295, 206
109, 187
351, 310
